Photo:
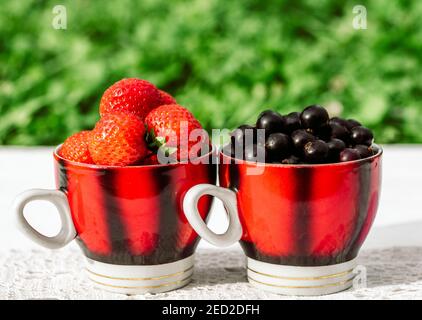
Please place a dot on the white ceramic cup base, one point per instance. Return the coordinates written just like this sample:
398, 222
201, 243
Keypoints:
301, 281
140, 279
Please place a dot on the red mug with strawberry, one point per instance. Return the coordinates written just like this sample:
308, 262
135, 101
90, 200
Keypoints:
123, 206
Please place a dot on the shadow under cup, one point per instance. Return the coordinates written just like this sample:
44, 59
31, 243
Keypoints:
130, 223
301, 226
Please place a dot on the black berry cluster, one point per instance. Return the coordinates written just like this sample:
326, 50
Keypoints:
309, 137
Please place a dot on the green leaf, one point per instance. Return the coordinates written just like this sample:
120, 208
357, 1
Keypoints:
224, 60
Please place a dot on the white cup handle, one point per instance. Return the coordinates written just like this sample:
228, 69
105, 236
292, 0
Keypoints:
228, 197
67, 231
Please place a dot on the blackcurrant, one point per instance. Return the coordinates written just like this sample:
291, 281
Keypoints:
335, 146
323, 132
300, 138
316, 151
349, 154
339, 132
291, 122
351, 123
255, 153
291, 160
375, 148
278, 146
238, 135
361, 135
364, 151
340, 121
270, 121
313, 117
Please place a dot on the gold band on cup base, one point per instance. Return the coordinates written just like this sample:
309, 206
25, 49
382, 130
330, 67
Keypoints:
140, 279
301, 281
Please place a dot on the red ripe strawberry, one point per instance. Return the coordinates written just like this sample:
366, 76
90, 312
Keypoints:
171, 125
151, 159
133, 96
167, 98
75, 148
118, 140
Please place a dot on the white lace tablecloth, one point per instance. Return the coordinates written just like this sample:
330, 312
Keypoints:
394, 273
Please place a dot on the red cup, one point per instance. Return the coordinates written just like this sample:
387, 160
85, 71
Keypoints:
129, 221
301, 226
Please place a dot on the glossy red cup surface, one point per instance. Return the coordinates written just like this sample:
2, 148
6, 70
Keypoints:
133, 215
304, 215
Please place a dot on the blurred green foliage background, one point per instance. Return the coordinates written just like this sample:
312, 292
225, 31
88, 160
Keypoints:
225, 60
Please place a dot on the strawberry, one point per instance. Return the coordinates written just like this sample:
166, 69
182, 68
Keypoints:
75, 148
166, 98
151, 159
118, 140
131, 95
171, 125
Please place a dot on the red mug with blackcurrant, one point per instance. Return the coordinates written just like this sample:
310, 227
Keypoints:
301, 197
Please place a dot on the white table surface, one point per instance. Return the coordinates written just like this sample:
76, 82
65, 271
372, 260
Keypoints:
398, 222
392, 252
